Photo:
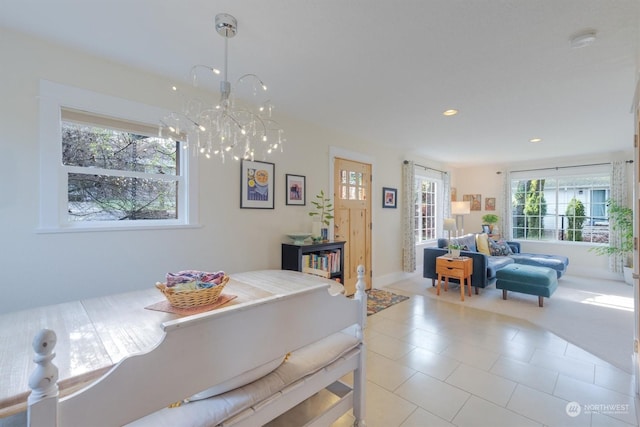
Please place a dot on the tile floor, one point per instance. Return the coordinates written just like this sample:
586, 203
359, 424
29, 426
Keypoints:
432, 363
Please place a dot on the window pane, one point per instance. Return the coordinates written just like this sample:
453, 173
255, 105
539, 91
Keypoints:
90, 146
112, 198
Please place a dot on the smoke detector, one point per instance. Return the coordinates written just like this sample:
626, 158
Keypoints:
583, 39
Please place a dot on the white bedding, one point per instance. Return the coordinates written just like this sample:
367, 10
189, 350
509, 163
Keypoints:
215, 410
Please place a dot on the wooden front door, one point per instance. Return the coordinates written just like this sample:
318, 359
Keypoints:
352, 217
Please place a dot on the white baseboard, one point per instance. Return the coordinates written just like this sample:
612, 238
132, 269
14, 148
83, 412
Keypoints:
388, 279
596, 273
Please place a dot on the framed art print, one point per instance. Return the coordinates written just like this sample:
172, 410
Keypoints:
256, 184
296, 190
389, 196
490, 204
474, 199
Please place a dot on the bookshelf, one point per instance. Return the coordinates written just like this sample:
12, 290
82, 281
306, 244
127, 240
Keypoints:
321, 259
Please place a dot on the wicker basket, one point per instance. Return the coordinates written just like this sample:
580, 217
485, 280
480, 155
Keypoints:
192, 298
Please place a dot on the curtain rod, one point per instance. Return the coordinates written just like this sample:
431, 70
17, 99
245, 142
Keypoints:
426, 167
567, 167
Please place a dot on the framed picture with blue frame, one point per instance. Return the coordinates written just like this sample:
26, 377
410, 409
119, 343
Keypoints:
389, 197
257, 184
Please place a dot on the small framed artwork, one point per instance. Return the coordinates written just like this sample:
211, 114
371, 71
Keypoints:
389, 196
490, 204
256, 184
454, 194
475, 201
296, 190
486, 229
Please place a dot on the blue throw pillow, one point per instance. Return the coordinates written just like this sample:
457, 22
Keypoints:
499, 248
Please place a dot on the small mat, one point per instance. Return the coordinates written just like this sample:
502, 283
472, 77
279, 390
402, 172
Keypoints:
378, 300
168, 308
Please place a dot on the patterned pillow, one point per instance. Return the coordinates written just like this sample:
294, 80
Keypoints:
499, 248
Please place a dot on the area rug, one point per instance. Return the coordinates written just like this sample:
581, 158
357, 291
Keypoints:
593, 314
378, 300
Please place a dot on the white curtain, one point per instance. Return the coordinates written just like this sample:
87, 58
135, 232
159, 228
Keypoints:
507, 232
619, 195
408, 201
446, 183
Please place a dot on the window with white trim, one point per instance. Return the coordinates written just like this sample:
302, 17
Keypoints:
428, 209
104, 171
564, 204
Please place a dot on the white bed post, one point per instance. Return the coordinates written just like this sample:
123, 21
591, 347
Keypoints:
359, 375
42, 403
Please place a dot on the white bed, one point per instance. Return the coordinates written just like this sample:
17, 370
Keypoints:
319, 335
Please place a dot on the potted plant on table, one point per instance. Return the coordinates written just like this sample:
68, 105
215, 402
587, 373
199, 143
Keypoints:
620, 221
455, 249
323, 214
490, 219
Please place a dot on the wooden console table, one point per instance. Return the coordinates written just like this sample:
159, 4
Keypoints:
95, 334
455, 268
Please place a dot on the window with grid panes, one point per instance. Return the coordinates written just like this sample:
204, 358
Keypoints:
563, 205
426, 209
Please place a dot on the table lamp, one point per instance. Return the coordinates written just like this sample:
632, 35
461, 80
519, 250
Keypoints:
449, 225
459, 209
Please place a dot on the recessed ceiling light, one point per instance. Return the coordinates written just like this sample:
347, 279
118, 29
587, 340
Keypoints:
583, 39
451, 112
535, 140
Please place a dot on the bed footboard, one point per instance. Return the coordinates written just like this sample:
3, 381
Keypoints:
212, 348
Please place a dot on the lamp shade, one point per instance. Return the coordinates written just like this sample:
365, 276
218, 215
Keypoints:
449, 224
461, 208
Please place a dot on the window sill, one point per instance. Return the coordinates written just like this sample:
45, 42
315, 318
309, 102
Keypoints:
134, 227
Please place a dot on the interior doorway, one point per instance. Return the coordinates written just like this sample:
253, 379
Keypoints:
352, 217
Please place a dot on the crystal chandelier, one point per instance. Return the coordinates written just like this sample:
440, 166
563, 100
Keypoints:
220, 127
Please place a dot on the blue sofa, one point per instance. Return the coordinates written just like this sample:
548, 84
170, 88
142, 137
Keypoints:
486, 266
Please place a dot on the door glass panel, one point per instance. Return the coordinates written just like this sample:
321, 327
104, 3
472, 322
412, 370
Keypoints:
352, 185
361, 194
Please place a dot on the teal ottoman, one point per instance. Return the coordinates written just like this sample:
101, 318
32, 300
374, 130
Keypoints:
527, 279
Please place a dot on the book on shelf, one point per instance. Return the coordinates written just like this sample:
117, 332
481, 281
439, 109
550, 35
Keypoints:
324, 261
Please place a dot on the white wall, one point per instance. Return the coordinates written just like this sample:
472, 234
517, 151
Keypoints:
485, 181
39, 268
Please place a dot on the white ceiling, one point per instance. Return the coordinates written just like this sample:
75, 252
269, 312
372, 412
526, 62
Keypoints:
384, 71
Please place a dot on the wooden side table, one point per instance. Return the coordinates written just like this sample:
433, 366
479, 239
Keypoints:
454, 268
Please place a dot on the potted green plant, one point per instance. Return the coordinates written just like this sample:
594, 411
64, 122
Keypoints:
323, 213
490, 219
620, 220
455, 249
